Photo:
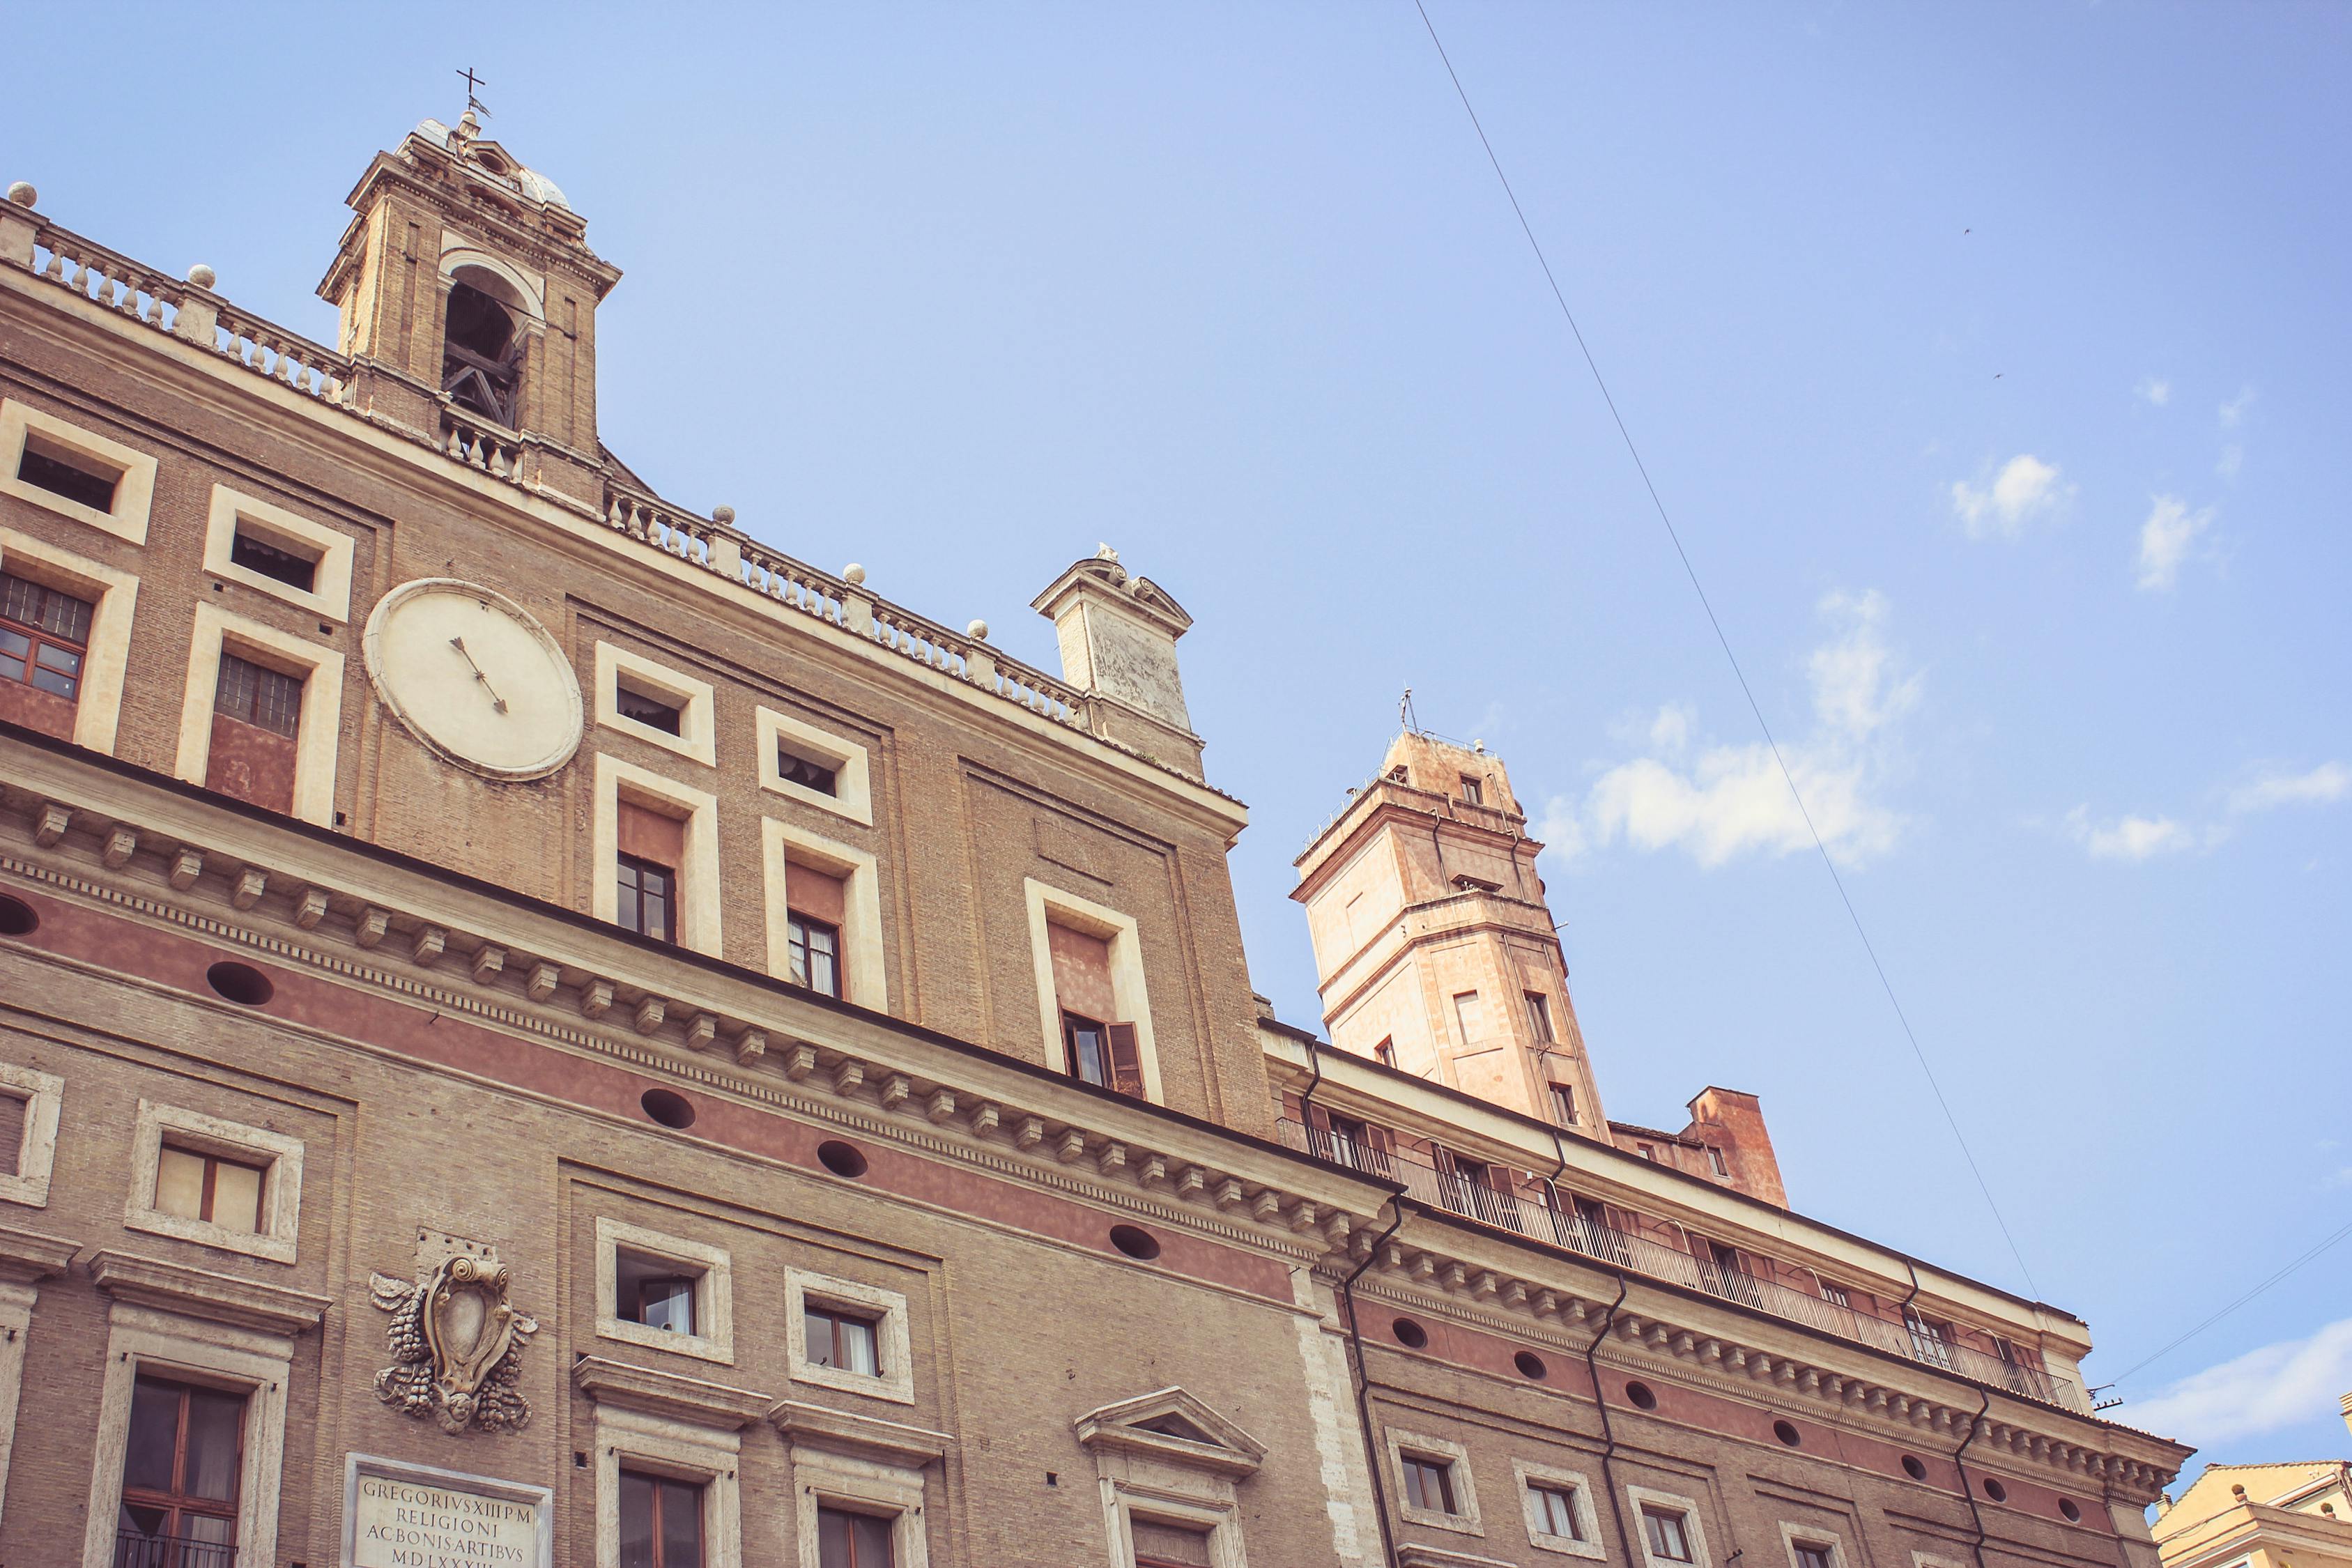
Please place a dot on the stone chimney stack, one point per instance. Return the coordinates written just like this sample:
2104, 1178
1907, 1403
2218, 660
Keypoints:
1119, 648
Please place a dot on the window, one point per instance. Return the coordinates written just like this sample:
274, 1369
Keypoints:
794, 769
1385, 1052
1667, 1535
1715, 1161
1472, 791
263, 698
845, 1539
77, 473
1165, 1546
44, 635
29, 1103
661, 1521
180, 1466
1649, 1152
842, 1340
663, 1291
1563, 1104
1102, 1053
1429, 1484
481, 355
1555, 1510
1812, 1554
261, 716
816, 954
1835, 1295
257, 717
1931, 1342
200, 1186
647, 898
257, 555
656, 1300
663, 824
654, 712
1469, 1015
1092, 1000
62, 471
1539, 1014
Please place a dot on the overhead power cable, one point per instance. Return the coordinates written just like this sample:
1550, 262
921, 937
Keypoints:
2175, 1344
1691, 572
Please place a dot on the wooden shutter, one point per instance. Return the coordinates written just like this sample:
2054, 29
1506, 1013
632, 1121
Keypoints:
1082, 983
1126, 1061
816, 895
647, 835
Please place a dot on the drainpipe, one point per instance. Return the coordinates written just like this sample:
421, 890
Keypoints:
1307, 1100
1362, 1379
1608, 1433
1968, 1492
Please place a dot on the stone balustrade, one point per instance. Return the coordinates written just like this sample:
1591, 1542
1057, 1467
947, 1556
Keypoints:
287, 358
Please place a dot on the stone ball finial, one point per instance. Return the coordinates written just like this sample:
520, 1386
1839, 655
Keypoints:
723, 515
977, 631
2238, 1492
853, 573
202, 276
23, 194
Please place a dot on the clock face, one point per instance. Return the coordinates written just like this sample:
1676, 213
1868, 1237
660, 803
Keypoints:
474, 677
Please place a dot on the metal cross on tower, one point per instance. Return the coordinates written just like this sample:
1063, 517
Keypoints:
473, 82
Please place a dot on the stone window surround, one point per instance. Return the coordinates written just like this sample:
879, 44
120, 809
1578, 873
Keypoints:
853, 791
865, 974
281, 1186
821, 1478
257, 1363
1523, 1473
27, 1181
330, 593
1049, 905
1692, 1526
1125, 1499
320, 730
1465, 1491
1792, 1534
893, 1341
134, 493
714, 1291
113, 596
697, 737
698, 892
678, 1450
16, 1322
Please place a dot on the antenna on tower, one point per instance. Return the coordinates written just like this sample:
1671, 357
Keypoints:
1405, 714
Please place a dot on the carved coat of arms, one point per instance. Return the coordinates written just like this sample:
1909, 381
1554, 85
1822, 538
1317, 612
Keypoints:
456, 1345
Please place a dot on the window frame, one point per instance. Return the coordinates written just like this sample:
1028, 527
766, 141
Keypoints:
893, 1339
1220, 1522
864, 961
672, 1450
696, 740
641, 869
822, 1478
1428, 1450
27, 1183
1540, 1017
837, 1319
176, 1503
1563, 1101
318, 731
281, 1183
852, 795
1526, 1474
332, 552
212, 1160
1794, 1535
1048, 906
134, 491
697, 912
800, 951
1643, 1499
113, 596
714, 1294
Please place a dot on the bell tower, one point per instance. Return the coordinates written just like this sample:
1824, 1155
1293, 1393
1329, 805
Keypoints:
1434, 949
468, 297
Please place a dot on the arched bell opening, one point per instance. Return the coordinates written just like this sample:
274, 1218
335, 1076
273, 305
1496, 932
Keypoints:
481, 352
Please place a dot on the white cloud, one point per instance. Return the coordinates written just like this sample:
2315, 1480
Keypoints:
2129, 838
2154, 389
2164, 541
2025, 488
2233, 457
2233, 412
2264, 1390
1731, 800
2322, 786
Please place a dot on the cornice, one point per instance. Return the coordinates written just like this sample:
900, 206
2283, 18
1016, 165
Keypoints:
869, 1437
670, 1394
201, 1293
28, 1257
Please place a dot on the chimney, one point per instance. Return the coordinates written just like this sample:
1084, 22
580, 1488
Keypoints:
1119, 648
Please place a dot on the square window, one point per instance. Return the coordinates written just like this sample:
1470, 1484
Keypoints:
1555, 1505
262, 546
814, 766
661, 1521
654, 1293
219, 1183
263, 698
44, 637
1429, 1484
847, 1340
1555, 1510
848, 1336
794, 769
1668, 1537
1161, 1544
1473, 791
664, 1291
664, 707
1813, 1554
259, 555
57, 469
76, 472
644, 708
847, 1540
29, 1104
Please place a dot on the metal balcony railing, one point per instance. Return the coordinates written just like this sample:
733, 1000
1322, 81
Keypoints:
1560, 1226
137, 1549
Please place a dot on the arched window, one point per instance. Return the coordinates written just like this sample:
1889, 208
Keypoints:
481, 355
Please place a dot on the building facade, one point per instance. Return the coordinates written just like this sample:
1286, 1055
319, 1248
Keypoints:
2286, 1515
538, 1029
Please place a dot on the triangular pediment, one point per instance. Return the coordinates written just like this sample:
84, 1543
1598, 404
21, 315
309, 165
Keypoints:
1171, 1425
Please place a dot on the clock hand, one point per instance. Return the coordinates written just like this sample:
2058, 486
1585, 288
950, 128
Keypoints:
497, 701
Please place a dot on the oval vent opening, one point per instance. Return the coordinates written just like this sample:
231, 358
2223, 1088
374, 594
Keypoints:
841, 1158
1639, 1393
1787, 1432
1409, 1334
2073, 1514
1136, 1242
1530, 1365
1913, 1467
1995, 1491
16, 917
670, 1110
241, 983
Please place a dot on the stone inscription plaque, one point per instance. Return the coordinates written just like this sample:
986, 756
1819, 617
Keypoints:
405, 1516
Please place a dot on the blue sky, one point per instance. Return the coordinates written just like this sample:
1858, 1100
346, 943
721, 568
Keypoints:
1988, 358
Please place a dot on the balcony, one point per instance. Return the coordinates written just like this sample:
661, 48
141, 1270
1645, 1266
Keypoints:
137, 1549
1477, 1200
